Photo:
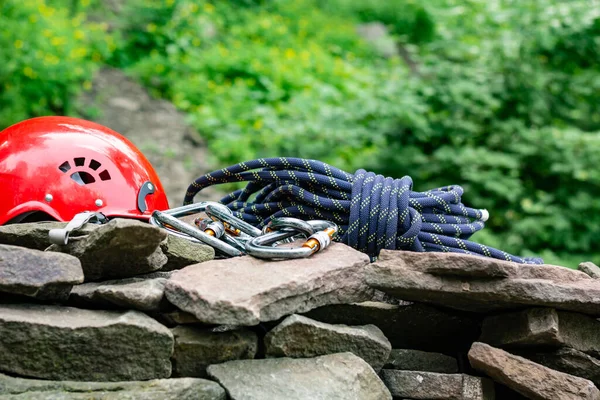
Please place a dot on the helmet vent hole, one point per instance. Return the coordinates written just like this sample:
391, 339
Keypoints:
79, 161
94, 165
104, 175
83, 178
64, 167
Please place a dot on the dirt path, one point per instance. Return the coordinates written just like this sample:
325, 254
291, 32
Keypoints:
160, 132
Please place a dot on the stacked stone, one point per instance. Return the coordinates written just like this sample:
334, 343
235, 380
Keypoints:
125, 311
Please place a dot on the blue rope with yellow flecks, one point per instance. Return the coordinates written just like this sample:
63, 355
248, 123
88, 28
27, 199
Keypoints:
373, 212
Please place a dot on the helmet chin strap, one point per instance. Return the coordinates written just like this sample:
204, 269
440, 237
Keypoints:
61, 236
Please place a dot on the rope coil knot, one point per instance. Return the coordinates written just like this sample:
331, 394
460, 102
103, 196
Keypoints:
386, 214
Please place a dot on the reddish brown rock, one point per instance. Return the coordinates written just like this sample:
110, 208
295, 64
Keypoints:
532, 380
411, 277
570, 361
246, 290
452, 264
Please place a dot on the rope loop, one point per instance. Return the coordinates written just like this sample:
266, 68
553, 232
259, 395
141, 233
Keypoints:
373, 212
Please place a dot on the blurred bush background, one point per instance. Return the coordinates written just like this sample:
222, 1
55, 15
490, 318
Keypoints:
501, 97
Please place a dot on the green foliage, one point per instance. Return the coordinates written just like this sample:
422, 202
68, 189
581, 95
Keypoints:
46, 57
498, 96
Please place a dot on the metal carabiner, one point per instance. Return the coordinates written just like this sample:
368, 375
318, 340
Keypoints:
260, 247
169, 221
219, 230
193, 233
223, 213
289, 224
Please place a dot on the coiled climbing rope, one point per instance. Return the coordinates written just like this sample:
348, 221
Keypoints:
373, 212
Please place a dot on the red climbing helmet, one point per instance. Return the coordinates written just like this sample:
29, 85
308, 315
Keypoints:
62, 166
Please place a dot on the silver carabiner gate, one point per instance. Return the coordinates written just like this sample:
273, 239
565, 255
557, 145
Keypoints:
261, 246
169, 221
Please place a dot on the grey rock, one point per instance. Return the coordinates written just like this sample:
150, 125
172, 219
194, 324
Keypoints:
172, 318
407, 325
417, 360
377, 35
590, 268
301, 337
144, 295
181, 253
534, 285
52, 342
35, 273
530, 379
433, 385
566, 360
156, 389
246, 290
34, 235
119, 249
132, 293
197, 348
542, 327
342, 376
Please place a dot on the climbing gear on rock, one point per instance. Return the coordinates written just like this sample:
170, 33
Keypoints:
76, 170
373, 212
62, 166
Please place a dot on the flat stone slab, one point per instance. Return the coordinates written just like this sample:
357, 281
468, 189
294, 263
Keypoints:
408, 325
246, 290
121, 248
66, 343
341, 376
542, 327
181, 253
301, 337
590, 268
450, 264
197, 348
570, 361
144, 294
156, 389
34, 273
533, 285
433, 385
530, 379
417, 360
34, 235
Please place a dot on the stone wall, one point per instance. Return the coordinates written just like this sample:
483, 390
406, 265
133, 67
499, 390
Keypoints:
126, 312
